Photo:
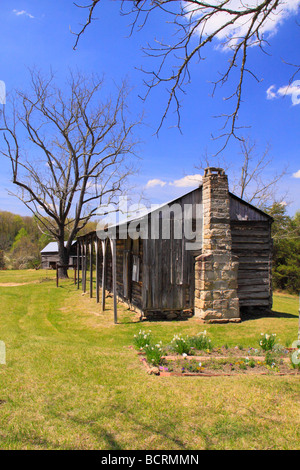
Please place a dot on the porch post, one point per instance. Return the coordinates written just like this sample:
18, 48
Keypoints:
97, 268
78, 264
84, 250
114, 275
103, 243
91, 266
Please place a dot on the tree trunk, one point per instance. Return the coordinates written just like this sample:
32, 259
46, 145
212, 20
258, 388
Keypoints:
63, 260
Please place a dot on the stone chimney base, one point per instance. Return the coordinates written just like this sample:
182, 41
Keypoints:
216, 288
216, 270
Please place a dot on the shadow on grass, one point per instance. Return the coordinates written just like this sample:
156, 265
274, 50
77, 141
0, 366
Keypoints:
246, 316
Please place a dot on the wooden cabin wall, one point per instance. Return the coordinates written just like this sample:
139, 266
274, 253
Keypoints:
120, 244
168, 267
109, 280
128, 289
242, 211
252, 244
137, 285
47, 259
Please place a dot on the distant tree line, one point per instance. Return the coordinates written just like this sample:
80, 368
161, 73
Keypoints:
21, 241
286, 250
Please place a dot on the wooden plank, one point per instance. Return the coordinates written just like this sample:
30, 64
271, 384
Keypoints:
255, 302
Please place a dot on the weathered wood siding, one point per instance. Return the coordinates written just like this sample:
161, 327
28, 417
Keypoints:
168, 267
129, 252
49, 258
242, 211
252, 243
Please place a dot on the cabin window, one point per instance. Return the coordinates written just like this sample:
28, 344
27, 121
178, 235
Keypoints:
125, 273
135, 268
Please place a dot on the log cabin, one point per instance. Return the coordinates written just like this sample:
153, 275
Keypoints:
50, 256
207, 254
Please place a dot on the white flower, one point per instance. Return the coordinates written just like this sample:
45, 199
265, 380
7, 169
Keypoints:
184, 354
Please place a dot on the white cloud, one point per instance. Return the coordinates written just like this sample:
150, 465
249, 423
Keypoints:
155, 182
271, 95
188, 181
297, 174
239, 28
292, 90
23, 12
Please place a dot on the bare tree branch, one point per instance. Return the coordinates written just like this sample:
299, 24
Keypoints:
232, 25
256, 180
69, 151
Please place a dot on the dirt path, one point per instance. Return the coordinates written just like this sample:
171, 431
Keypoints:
14, 284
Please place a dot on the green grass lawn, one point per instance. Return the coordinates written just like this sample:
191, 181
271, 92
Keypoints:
72, 381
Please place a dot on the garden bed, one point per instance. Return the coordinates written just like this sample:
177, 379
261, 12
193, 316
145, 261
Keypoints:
197, 357
216, 365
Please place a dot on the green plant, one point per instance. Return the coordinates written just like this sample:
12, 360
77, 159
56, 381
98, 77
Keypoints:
154, 353
270, 360
267, 341
195, 367
251, 363
181, 345
200, 341
142, 339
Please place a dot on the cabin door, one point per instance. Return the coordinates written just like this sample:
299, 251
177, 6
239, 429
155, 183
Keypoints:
126, 274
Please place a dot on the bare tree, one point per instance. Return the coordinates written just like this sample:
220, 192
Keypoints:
233, 25
70, 151
256, 180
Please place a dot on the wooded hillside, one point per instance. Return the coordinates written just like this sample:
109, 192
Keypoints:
21, 241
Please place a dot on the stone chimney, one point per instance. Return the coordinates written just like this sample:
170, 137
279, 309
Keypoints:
216, 268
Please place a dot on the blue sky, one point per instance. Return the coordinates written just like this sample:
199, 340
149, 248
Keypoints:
36, 33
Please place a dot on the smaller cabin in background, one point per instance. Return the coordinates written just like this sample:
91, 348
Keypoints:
50, 256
